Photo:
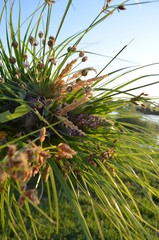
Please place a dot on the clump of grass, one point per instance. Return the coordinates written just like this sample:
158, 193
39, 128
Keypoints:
73, 142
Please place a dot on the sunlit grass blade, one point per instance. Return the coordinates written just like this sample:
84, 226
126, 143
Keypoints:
71, 199
55, 199
63, 18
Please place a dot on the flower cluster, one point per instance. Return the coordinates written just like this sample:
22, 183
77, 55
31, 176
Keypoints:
84, 122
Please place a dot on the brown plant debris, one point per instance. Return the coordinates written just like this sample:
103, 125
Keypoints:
64, 151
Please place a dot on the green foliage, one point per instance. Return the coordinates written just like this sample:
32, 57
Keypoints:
106, 166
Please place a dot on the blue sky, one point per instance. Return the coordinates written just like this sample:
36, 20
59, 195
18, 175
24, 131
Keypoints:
139, 23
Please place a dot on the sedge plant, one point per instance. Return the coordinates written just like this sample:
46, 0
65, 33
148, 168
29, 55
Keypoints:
57, 133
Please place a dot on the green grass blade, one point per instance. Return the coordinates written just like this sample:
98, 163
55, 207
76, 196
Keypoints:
63, 18
55, 199
71, 199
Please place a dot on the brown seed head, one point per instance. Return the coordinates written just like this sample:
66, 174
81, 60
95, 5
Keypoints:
81, 54
121, 7
64, 151
74, 48
31, 40
25, 56
41, 34
12, 60
84, 59
69, 49
15, 44
40, 65
84, 72
42, 134
51, 38
35, 43
51, 42
3, 176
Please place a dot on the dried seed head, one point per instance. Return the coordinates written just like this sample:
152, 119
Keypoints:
69, 49
51, 42
25, 56
84, 59
15, 44
74, 48
81, 54
64, 151
18, 166
51, 38
41, 34
84, 72
42, 134
121, 7
40, 65
35, 43
31, 40
3, 176
12, 60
